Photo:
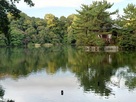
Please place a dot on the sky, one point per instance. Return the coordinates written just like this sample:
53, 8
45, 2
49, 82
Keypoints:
64, 7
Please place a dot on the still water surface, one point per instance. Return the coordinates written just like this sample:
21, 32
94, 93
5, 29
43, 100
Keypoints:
39, 75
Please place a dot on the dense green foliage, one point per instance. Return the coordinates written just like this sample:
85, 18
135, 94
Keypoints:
127, 37
35, 30
8, 6
84, 28
91, 21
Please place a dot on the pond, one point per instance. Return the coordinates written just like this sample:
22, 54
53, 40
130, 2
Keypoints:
66, 74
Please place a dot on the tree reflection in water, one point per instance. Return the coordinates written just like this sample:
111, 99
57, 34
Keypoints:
2, 92
94, 71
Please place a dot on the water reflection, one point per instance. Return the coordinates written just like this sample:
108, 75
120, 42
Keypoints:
1, 92
99, 73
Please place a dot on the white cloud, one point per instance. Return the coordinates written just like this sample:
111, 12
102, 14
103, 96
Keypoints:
113, 1
52, 3
59, 3
64, 3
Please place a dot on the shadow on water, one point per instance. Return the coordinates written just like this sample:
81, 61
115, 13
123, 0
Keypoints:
94, 71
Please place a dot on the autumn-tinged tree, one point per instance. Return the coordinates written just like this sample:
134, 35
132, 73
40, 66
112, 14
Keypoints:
56, 28
63, 29
70, 32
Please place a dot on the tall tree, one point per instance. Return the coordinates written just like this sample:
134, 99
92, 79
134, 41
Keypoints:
53, 24
63, 28
127, 38
70, 36
7, 6
92, 20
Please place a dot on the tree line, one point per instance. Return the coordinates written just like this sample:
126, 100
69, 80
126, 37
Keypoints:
30, 30
83, 28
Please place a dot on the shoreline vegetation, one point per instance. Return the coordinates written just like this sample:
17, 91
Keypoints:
93, 30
